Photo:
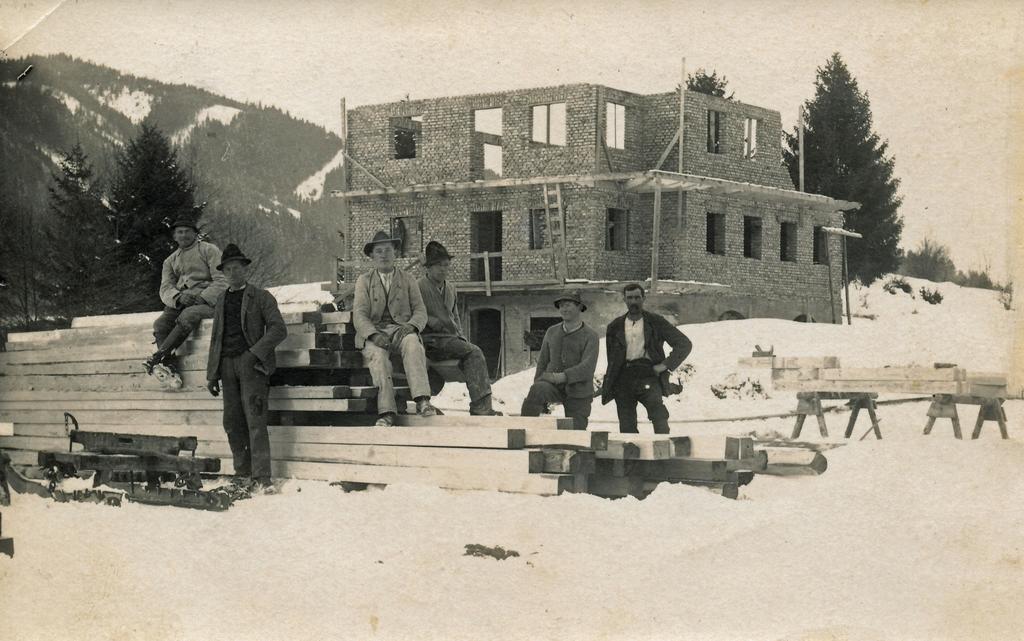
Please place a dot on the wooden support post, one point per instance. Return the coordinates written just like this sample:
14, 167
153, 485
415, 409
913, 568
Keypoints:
487, 272
846, 285
809, 403
800, 143
682, 122
656, 236
346, 223
943, 406
991, 410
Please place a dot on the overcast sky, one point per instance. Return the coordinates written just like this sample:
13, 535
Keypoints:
941, 76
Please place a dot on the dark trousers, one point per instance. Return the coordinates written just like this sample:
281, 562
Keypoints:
637, 382
543, 393
472, 363
188, 318
245, 415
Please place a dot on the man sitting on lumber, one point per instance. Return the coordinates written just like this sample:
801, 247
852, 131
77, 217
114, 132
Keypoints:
247, 328
566, 364
389, 314
637, 366
443, 338
189, 288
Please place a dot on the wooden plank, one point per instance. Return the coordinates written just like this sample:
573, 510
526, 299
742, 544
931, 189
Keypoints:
145, 319
454, 479
528, 422
616, 487
90, 418
566, 439
802, 374
36, 443
344, 329
192, 380
985, 391
132, 366
715, 447
449, 437
564, 461
893, 387
99, 337
758, 362
620, 450
786, 461
62, 396
893, 374
647, 448
801, 362
497, 461
334, 318
22, 457
172, 402
987, 378
6, 429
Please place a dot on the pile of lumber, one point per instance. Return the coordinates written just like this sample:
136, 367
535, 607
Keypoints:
321, 413
823, 374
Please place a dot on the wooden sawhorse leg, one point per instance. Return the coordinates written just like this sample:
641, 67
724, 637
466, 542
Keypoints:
867, 402
943, 406
809, 403
991, 410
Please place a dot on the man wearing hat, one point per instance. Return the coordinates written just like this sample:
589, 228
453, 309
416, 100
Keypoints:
389, 314
637, 365
189, 288
247, 328
443, 338
566, 364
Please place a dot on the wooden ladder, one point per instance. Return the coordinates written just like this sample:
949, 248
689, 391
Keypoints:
554, 215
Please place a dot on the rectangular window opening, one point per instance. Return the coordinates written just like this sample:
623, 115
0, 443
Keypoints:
549, 124
820, 246
615, 125
750, 138
616, 229
410, 230
714, 131
787, 242
492, 161
488, 121
405, 134
715, 234
752, 237
539, 325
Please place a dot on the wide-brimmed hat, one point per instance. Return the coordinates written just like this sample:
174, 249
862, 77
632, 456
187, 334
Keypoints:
574, 296
434, 253
380, 238
185, 222
232, 252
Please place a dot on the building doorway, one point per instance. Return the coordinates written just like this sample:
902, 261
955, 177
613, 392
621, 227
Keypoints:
485, 236
486, 330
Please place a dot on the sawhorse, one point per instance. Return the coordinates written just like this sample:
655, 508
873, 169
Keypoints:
809, 403
944, 406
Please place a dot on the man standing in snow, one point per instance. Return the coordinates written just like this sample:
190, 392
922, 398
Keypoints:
247, 328
389, 314
189, 288
637, 366
443, 338
566, 364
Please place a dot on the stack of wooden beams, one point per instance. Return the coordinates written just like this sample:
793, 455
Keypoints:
823, 374
321, 412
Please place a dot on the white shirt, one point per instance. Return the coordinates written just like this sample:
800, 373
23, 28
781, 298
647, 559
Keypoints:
635, 339
385, 280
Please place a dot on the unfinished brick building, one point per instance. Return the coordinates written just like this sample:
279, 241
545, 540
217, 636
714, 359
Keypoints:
537, 188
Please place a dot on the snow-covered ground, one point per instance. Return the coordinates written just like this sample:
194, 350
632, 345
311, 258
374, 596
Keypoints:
135, 105
312, 188
911, 537
221, 113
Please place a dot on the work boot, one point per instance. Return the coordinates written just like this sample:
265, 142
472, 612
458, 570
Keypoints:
482, 407
154, 360
385, 420
424, 408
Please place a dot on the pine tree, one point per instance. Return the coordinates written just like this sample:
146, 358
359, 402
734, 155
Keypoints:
845, 159
150, 191
83, 278
711, 85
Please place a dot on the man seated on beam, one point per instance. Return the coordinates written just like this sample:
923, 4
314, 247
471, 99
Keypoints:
637, 366
247, 328
566, 364
443, 338
189, 288
389, 314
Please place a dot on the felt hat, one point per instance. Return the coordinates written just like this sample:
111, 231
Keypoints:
379, 238
232, 252
434, 253
574, 296
185, 222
